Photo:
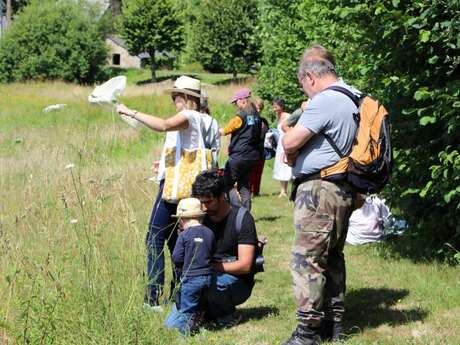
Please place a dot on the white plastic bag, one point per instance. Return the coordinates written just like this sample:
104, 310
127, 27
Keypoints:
53, 107
108, 93
367, 223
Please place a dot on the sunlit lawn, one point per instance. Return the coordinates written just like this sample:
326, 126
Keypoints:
75, 198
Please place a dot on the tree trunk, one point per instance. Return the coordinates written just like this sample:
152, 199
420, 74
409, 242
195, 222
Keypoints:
153, 66
235, 72
8, 13
115, 7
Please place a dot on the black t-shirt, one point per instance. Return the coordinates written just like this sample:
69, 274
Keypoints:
227, 239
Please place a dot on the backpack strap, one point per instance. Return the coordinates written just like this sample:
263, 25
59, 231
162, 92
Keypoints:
356, 100
208, 130
239, 219
333, 145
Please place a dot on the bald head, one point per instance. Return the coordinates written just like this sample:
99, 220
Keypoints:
317, 66
316, 70
318, 51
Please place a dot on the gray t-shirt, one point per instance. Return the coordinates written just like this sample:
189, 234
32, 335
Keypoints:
329, 112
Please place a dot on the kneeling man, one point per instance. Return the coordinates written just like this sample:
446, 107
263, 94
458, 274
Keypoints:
235, 244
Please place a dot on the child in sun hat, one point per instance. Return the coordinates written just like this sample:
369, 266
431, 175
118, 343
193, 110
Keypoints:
192, 256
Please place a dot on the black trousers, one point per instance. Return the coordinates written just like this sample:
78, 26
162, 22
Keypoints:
238, 171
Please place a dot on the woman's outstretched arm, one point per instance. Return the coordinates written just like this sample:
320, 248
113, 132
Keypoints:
174, 123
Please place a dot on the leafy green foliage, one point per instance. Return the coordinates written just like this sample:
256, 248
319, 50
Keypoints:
151, 26
18, 5
223, 35
53, 40
283, 42
406, 54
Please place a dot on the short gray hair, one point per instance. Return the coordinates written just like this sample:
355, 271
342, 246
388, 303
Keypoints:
317, 66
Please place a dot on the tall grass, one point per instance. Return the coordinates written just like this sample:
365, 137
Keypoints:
75, 199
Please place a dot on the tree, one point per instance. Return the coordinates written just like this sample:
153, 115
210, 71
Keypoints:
223, 36
115, 7
150, 26
8, 12
17, 5
11, 8
53, 40
282, 43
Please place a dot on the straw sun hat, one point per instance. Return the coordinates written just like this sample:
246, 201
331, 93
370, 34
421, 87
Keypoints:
186, 85
189, 208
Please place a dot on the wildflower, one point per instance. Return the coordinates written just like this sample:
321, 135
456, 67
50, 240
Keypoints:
69, 166
73, 221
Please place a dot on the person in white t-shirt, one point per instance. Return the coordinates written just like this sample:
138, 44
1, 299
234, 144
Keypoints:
188, 124
281, 171
210, 129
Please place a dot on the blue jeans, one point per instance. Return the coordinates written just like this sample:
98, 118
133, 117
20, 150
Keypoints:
161, 229
192, 289
226, 292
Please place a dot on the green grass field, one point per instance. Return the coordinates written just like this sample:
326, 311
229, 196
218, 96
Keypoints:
75, 198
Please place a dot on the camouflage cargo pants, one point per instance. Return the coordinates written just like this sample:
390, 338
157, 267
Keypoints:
322, 211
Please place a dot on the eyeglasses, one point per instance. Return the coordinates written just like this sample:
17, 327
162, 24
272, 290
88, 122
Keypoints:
302, 79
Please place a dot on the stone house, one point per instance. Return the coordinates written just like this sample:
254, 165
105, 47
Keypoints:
118, 55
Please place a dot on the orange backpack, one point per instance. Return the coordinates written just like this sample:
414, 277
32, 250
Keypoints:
367, 167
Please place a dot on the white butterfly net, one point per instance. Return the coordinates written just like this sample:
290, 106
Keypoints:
107, 95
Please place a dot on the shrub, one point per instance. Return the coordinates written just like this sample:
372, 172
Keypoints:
53, 40
193, 67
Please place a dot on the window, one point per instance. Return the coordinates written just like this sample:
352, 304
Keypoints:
116, 59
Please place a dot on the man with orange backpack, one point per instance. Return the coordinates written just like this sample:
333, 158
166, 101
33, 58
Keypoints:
321, 147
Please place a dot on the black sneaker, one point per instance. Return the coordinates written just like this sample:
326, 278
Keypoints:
228, 321
331, 331
325, 330
304, 335
337, 332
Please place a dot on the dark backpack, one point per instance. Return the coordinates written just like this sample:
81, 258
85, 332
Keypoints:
258, 265
367, 167
263, 130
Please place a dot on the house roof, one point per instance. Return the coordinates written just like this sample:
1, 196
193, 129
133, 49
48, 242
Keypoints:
118, 41
122, 43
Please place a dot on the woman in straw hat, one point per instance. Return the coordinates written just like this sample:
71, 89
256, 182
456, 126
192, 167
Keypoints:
187, 124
